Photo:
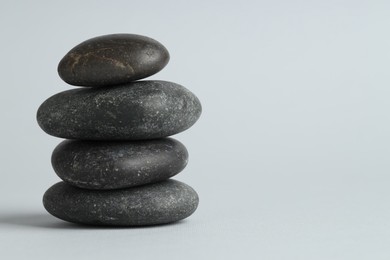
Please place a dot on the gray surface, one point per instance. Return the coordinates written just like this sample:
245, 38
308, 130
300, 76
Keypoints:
290, 157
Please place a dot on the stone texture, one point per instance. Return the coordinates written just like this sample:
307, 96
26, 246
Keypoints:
112, 59
113, 165
158, 203
134, 111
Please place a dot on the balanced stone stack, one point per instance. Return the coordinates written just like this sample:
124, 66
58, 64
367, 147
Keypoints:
117, 165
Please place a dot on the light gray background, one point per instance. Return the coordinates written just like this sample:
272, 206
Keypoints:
290, 157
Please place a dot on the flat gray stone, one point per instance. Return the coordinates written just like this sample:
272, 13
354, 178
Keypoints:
135, 111
159, 203
112, 59
113, 165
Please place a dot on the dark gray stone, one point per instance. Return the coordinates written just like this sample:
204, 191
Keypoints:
159, 203
135, 111
113, 59
114, 165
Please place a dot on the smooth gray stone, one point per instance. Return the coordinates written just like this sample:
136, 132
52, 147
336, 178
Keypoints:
159, 203
135, 111
113, 165
112, 59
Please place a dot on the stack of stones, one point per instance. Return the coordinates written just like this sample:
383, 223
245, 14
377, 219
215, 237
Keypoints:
117, 164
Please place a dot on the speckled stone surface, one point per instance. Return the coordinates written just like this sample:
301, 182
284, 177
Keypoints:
113, 165
153, 204
112, 59
135, 111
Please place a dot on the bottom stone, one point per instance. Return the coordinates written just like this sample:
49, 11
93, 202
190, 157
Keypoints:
153, 204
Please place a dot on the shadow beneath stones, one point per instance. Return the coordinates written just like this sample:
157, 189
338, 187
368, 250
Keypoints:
38, 220
44, 220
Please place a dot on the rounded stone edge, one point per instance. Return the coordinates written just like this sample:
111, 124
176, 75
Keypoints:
78, 84
46, 199
57, 151
45, 126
